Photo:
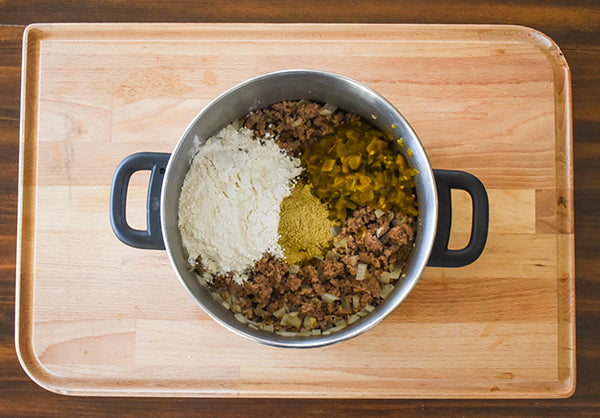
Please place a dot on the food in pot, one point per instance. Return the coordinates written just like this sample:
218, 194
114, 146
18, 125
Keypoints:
325, 294
318, 244
230, 199
304, 225
296, 125
359, 166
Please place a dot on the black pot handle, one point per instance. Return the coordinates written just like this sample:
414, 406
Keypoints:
151, 238
446, 180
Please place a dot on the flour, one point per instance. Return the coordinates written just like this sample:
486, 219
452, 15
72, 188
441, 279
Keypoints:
230, 201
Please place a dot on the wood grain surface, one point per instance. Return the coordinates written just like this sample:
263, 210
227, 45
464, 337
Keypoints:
93, 94
573, 26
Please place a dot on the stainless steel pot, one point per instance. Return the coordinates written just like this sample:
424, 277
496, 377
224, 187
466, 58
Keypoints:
169, 170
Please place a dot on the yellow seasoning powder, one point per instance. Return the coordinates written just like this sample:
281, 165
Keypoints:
304, 226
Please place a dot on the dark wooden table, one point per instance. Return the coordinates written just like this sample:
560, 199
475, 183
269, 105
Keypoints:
574, 25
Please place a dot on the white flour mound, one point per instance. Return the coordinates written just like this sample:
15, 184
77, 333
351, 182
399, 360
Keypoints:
230, 199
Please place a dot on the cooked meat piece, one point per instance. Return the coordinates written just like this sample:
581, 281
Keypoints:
296, 125
401, 234
372, 243
331, 268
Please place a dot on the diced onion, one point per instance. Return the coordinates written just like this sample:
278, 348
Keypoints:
386, 290
353, 318
328, 109
279, 313
399, 220
396, 267
340, 323
355, 301
291, 319
241, 318
361, 271
309, 322
294, 268
335, 230
286, 333
328, 297
379, 213
331, 255
341, 243
388, 276
352, 260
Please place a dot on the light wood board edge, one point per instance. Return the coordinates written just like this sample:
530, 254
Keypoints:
26, 212
565, 222
32, 38
565, 219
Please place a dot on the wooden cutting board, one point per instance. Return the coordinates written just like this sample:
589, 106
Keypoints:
95, 317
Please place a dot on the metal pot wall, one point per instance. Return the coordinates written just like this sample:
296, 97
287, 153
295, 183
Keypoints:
168, 172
